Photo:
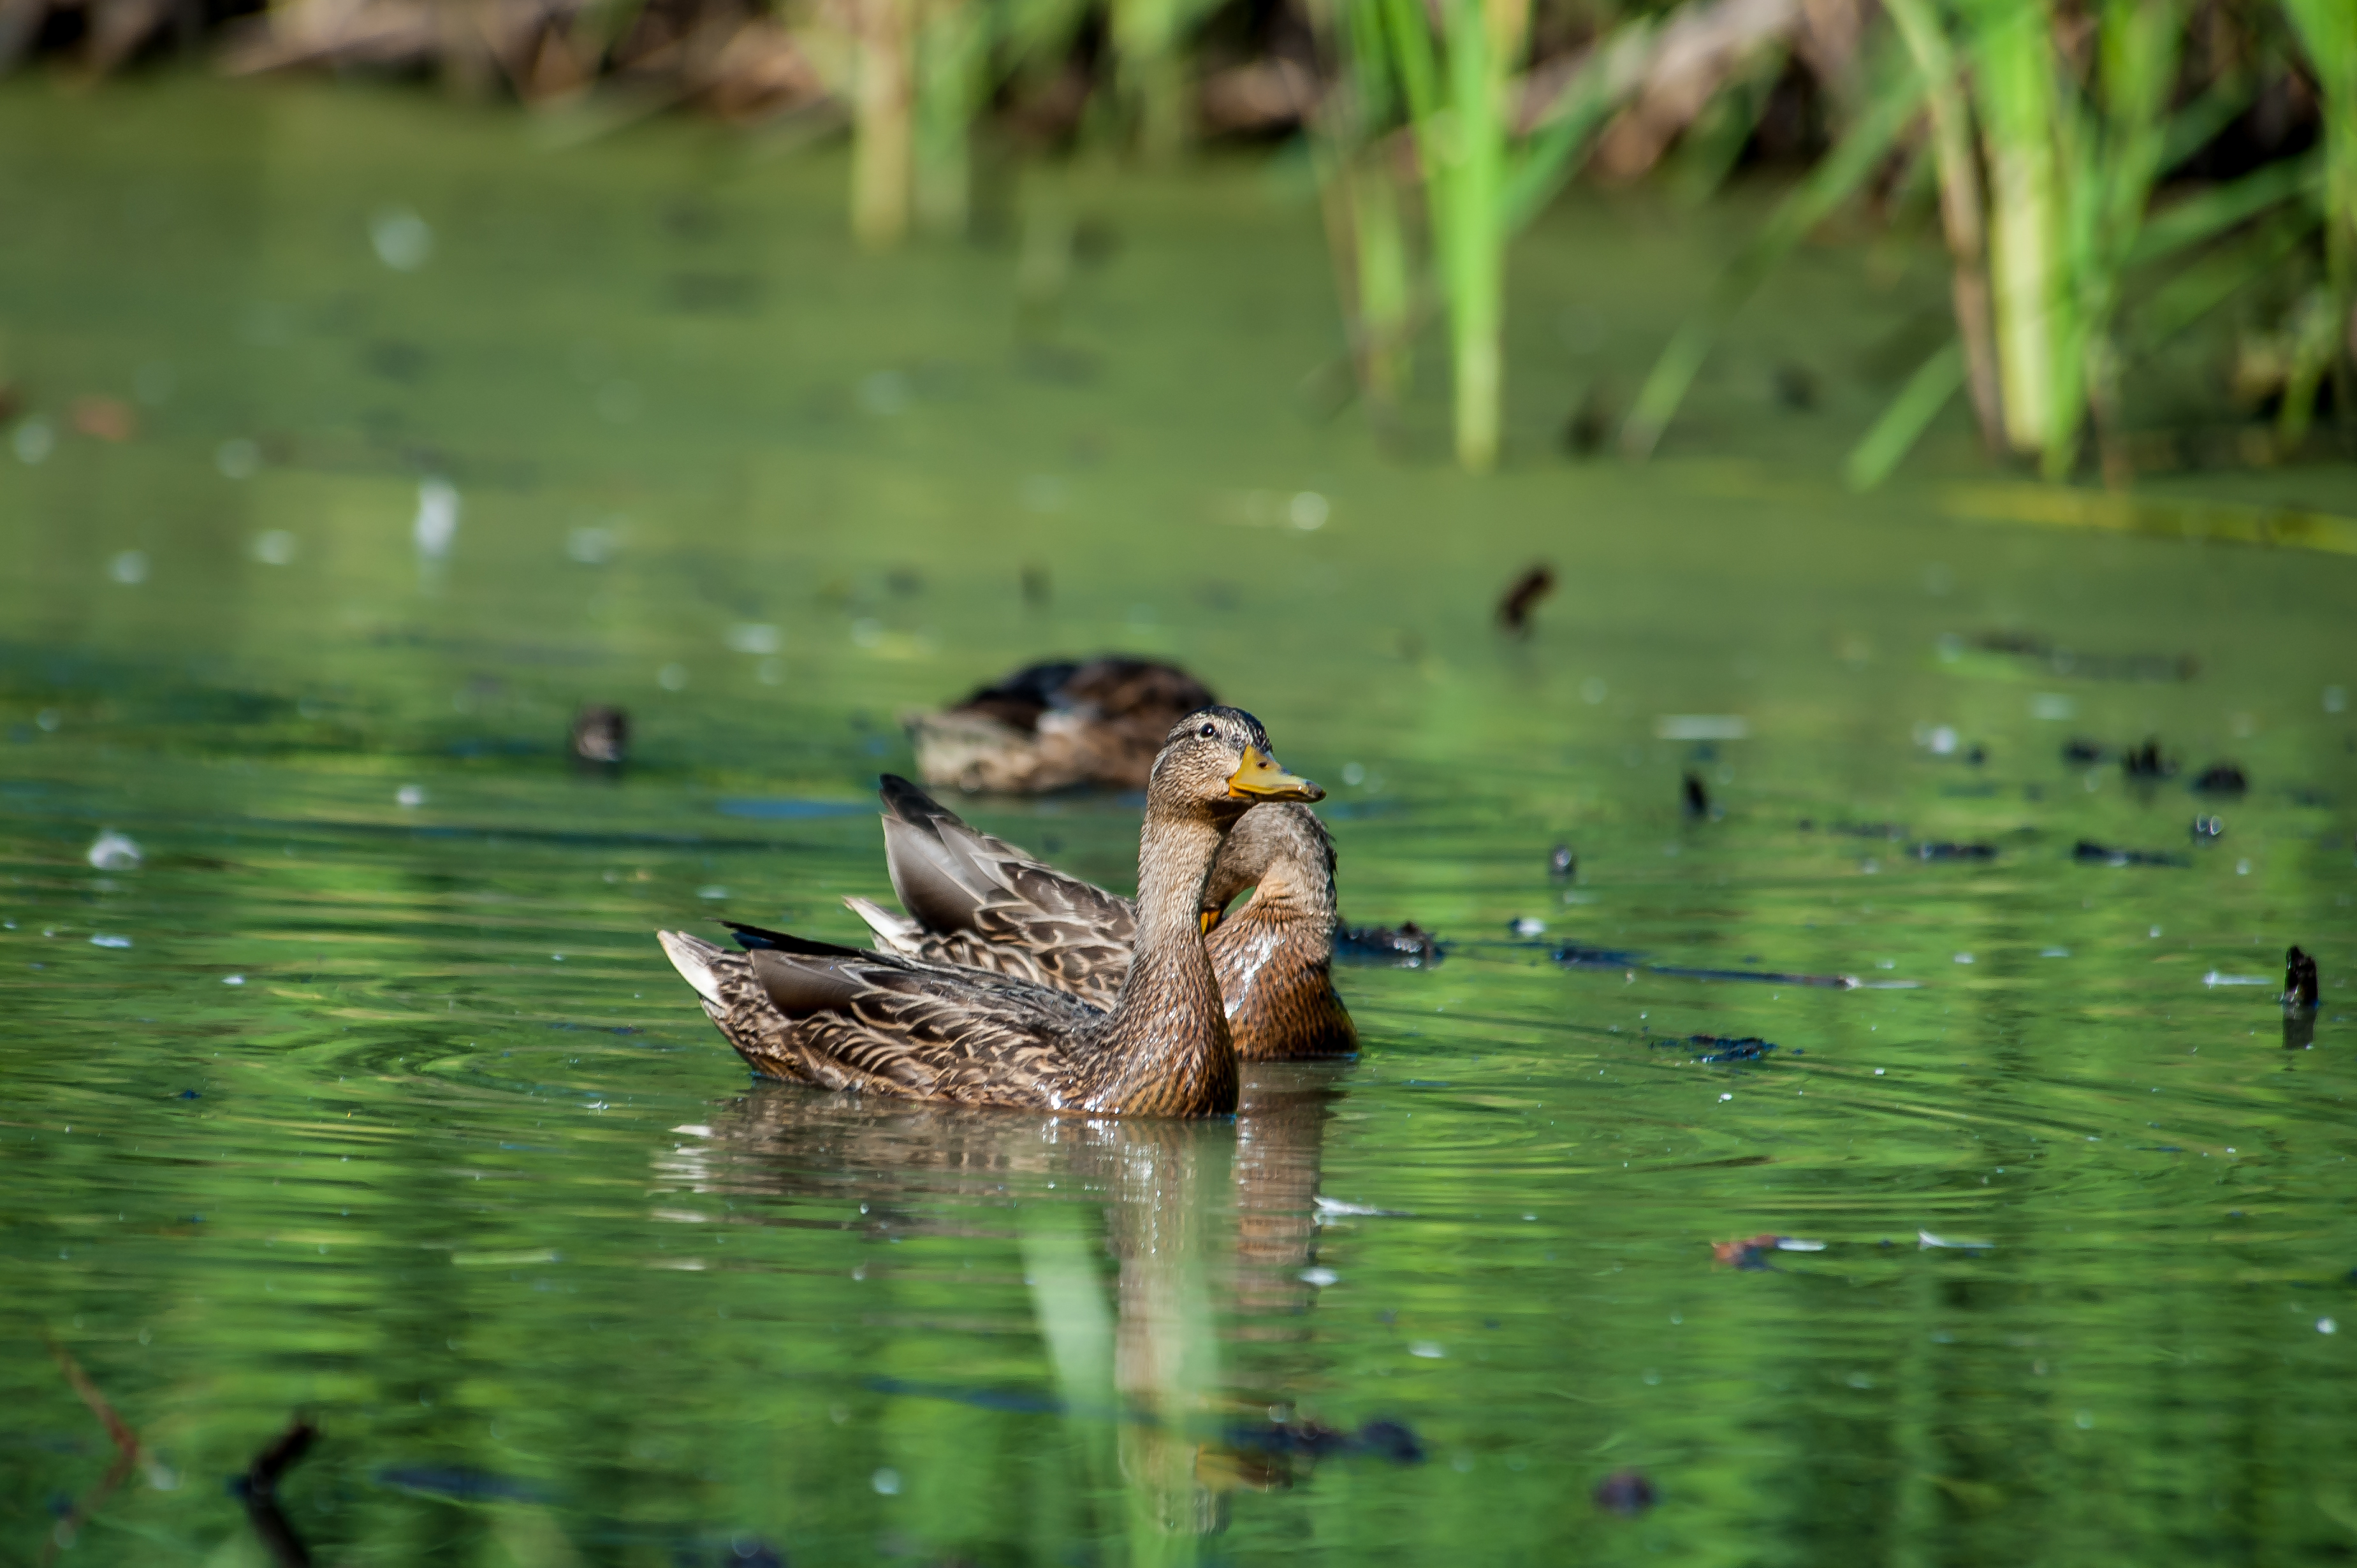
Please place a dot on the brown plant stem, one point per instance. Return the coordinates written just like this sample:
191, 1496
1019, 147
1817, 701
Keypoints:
1960, 212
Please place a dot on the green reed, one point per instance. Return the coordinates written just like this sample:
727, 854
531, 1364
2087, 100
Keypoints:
1486, 171
2328, 31
2050, 151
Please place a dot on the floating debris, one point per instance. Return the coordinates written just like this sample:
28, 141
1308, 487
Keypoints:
111, 850
259, 1488
436, 524
2207, 829
1523, 596
1926, 1241
1405, 946
105, 940
1392, 1440
2147, 762
1715, 1048
1526, 926
1335, 1208
2221, 779
1749, 1255
2094, 853
1625, 1492
1697, 799
2301, 990
1573, 956
2079, 752
602, 736
104, 419
2090, 666
1590, 424
1945, 850
1562, 865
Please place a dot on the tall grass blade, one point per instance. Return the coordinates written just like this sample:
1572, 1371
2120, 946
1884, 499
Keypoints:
1553, 152
2213, 211
1904, 423
2216, 278
2328, 30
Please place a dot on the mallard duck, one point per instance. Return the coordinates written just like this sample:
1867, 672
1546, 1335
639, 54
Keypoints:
834, 1017
1057, 724
977, 900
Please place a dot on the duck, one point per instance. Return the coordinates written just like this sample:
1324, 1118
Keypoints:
1057, 724
884, 1024
976, 900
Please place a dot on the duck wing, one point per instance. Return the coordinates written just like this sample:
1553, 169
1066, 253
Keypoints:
835, 1018
979, 901
931, 1031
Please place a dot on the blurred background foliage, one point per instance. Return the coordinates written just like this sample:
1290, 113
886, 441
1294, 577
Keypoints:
2107, 174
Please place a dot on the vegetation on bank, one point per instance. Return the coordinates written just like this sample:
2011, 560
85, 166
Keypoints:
2106, 174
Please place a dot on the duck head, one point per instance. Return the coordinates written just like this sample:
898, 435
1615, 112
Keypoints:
1215, 762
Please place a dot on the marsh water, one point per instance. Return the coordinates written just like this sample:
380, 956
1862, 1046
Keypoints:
362, 1093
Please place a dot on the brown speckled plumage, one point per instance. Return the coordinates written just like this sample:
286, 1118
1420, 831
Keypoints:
978, 901
886, 1023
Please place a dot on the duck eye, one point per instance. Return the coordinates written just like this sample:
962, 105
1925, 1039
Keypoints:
1209, 731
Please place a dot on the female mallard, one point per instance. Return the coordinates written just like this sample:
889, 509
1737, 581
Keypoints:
1057, 724
878, 1022
977, 900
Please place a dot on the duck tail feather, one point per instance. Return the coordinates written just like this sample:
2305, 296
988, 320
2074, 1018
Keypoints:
756, 938
894, 933
910, 804
936, 885
692, 957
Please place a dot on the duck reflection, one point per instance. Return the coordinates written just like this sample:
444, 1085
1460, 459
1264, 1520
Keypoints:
1209, 1224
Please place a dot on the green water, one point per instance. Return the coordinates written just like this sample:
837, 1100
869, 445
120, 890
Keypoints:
379, 1104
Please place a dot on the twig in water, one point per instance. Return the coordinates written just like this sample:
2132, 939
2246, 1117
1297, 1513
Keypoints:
261, 1489
1527, 590
126, 1453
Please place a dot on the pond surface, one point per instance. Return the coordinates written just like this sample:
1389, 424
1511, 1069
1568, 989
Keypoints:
366, 1095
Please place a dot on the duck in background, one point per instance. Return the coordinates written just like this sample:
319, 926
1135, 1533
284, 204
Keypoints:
1057, 724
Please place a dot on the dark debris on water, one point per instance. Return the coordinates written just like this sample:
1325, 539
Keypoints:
1392, 1440
1523, 596
1697, 798
1725, 1047
1625, 1492
2088, 852
2221, 779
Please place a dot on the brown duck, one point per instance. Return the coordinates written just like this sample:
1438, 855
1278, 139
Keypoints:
1057, 724
977, 900
883, 1024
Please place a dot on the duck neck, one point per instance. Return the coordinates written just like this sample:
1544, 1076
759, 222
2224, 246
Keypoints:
1168, 1033
1294, 891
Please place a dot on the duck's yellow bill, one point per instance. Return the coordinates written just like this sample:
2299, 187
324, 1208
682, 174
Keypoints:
1258, 778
